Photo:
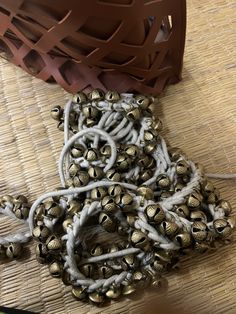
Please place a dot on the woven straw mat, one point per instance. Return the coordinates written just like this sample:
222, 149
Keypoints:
199, 115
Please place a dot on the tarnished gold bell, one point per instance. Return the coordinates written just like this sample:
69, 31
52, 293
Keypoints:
157, 124
131, 218
91, 154
79, 293
201, 247
194, 200
207, 187
128, 262
73, 169
90, 122
107, 222
41, 233
175, 153
52, 209
150, 135
231, 221
213, 197
41, 253
125, 201
142, 101
57, 113
198, 215
144, 161
140, 240
178, 187
14, 250
163, 181
129, 289
145, 192
183, 239
115, 190
182, 167
96, 94
168, 228
155, 213
113, 175
113, 248
98, 193
113, 293
2, 252
20, 210
145, 175
134, 114
95, 173
53, 243
6, 199
79, 98
60, 126
67, 223
182, 210
73, 207
65, 277
225, 205
112, 96
222, 227
123, 162
56, 269
90, 112
109, 205
87, 270
132, 150
105, 151
105, 272
77, 150
20, 198
81, 179
150, 147
96, 250
162, 256
96, 297
199, 231
123, 230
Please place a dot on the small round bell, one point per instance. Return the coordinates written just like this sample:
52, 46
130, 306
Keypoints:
113, 175
80, 98
146, 192
182, 167
140, 240
41, 253
142, 101
115, 190
225, 205
182, 210
21, 198
96, 297
163, 181
73, 169
73, 208
20, 210
150, 135
79, 293
90, 122
198, 215
131, 218
2, 252
178, 187
96, 94
67, 223
168, 228
222, 227
201, 247
125, 201
207, 188
87, 270
95, 173
132, 150
155, 213
145, 175
134, 114
77, 150
175, 153
57, 113
113, 248
162, 256
91, 154
98, 193
53, 244
213, 197
194, 200
199, 231
109, 205
157, 124
105, 272
65, 277
112, 96
128, 262
143, 161
123, 162
90, 112
7, 199
129, 289
183, 239
150, 147
231, 221
56, 269
41, 233
96, 250
60, 126
14, 250
113, 293
105, 151
53, 210
81, 179
107, 222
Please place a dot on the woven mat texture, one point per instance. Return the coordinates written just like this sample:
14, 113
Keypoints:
199, 115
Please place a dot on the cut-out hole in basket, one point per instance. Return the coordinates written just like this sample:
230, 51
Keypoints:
4, 11
34, 62
29, 33
5, 51
13, 38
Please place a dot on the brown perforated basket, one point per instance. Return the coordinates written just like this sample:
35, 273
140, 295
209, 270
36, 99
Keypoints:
127, 45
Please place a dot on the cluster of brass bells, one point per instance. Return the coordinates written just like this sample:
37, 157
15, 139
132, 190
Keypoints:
190, 225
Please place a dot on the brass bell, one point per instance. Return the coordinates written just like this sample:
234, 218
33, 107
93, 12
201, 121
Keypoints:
175, 153
87, 270
113, 293
41, 253
107, 222
155, 213
112, 96
105, 272
80, 98
60, 126
132, 150
113, 175
150, 147
2, 252
138, 276
152, 163
115, 190
123, 162
53, 210
105, 151
57, 113
98, 193
91, 154
213, 197
207, 188
14, 250
199, 231
77, 150
20, 210
73, 118
90, 112
183, 239
157, 124
129, 289
41, 233
143, 161
131, 218
95, 173
96, 94
96, 297
113, 248
145, 175
163, 256
134, 114
67, 223
21, 198
145, 192
73, 169
182, 167
56, 269
73, 208
79, 293
231, 221
178, 187
53, 243
123, 230
90, 122
163, 181
222, 227
128, 262
65, 277
125, 201
109, 205
194, 200
201, 247
164, 195
140, 240
142, 101
198, 215
96, 250
225, 205
81, 179
6, 199
182, 210
150, 135
168, 228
